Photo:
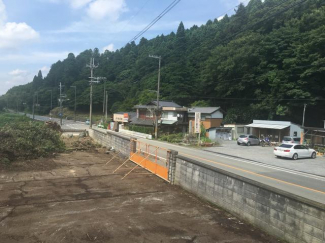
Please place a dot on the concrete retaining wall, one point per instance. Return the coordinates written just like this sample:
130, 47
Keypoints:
135, 134
279, 213
111, 139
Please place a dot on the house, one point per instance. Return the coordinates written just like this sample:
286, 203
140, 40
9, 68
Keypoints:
276, 130
210, 117
171, 118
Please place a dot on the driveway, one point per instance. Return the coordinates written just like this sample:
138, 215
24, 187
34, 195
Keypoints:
265, 155
76, 197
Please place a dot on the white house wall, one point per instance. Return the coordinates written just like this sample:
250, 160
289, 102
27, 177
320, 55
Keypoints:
295, 128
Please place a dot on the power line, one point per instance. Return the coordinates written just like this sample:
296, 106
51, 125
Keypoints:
170, 7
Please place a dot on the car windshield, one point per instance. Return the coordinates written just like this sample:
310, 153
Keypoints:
286, 146
286, 139
242, 136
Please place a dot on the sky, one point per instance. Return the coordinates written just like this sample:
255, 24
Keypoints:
34, 34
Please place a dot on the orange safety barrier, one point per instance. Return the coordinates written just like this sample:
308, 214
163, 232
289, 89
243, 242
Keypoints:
152, 158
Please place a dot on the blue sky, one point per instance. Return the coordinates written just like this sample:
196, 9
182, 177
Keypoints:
36, 33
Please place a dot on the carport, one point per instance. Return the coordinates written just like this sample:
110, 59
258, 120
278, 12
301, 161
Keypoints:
315, 136
276, 130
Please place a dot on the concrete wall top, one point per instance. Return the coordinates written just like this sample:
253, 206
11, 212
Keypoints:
103, 131
270, 188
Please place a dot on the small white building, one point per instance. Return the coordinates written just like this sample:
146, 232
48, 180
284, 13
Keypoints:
276, 130
237, 130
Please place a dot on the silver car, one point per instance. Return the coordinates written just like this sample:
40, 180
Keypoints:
248, 139
290, 140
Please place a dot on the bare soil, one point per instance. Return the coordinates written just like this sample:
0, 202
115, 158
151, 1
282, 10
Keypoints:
76, 197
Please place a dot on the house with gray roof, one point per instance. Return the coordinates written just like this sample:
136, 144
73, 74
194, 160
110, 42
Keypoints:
172, 117
210, 117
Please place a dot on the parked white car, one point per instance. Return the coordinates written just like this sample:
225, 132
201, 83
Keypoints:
294, 151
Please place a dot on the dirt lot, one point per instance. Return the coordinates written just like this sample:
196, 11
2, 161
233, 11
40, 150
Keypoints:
76, 197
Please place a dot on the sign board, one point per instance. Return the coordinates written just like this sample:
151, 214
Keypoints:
125, 117
197, 123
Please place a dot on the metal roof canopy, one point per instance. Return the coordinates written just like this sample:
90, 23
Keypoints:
167, 122
269, 126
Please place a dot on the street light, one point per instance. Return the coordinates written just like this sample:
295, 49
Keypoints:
75, 98
158, 87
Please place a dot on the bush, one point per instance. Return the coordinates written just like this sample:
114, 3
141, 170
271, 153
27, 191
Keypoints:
27, 140
172, 138
147, 130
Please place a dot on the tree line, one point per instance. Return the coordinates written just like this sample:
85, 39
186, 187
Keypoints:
264, 62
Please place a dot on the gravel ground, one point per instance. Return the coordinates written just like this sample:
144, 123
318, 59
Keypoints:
80, 199
265, 155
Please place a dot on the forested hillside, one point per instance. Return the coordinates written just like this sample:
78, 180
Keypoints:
264, 62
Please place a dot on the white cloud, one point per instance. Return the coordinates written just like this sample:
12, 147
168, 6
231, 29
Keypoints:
221, 17
18, 72
111, 9
45, 70
13, 35
18, 77
79, 3
34, 57
3, 16
109, 47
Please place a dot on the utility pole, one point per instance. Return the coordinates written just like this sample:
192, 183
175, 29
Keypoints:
75, 101
92, 67
158, 87
302, 139
106, 106
61, 104
104, 97
303, 117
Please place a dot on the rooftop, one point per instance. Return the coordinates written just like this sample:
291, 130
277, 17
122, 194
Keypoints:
206, 110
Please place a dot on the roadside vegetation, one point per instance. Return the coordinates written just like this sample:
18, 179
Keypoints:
23, 139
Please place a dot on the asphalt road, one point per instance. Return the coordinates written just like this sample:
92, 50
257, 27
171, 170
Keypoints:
302, 184
66, 124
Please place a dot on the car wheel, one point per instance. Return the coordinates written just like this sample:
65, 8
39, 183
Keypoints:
313, 155
295, 156
249, 144
238, 143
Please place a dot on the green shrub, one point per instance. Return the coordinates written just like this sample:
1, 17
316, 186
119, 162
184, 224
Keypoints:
147, 130
28, 140
172, 138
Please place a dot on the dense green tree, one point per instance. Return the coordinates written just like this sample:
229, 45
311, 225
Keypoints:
265, 61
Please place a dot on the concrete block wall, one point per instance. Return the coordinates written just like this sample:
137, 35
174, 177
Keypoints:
279, 213
111, 139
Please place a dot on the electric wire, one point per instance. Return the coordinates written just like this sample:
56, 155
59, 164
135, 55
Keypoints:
163, 13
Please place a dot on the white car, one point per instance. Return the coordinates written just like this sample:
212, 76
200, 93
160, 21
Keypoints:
294, 151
